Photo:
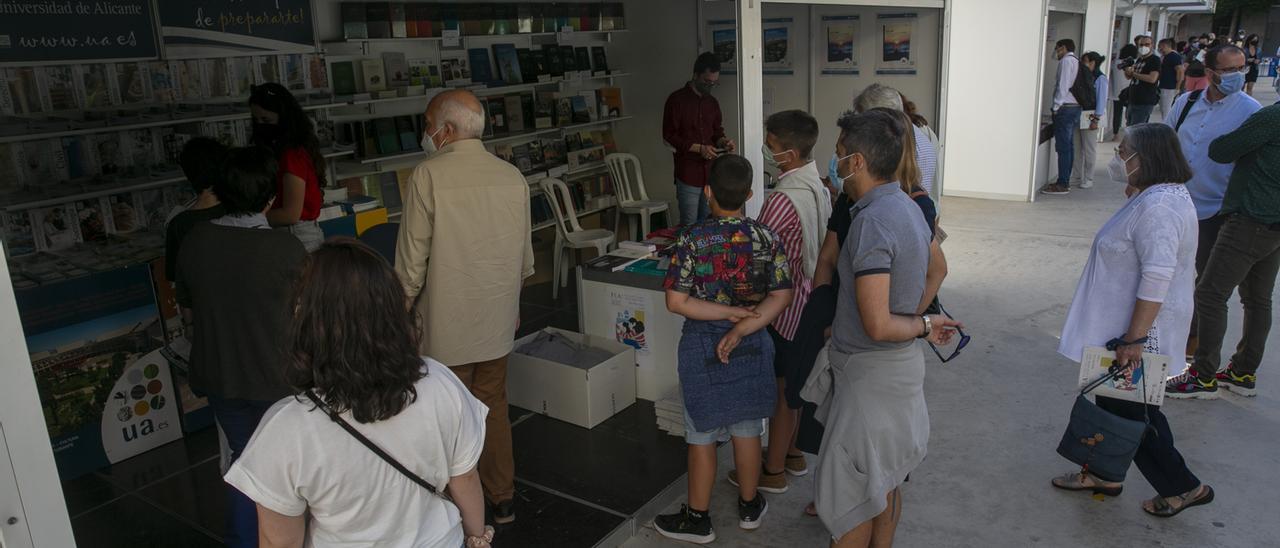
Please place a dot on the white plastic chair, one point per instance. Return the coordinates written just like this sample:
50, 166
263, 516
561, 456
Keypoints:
632, 201
569, 233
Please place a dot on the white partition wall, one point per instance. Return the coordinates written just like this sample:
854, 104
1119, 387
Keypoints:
990, 116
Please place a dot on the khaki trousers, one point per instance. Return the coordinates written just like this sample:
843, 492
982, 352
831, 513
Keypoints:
487, 381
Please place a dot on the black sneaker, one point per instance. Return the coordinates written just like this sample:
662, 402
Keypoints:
750, 513
1189, 386
504, 512
1244, 385
687, 525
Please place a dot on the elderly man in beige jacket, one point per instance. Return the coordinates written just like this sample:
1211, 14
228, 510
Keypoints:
463, 252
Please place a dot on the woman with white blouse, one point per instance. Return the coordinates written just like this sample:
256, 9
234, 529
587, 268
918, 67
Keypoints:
354, 358
1139, 284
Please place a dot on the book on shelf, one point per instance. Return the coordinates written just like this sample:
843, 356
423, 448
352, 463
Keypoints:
399, 25
524, 18
356, 204
582, 58
188, 77
295, 72
317, 76
378, 19
455, 69
599, 61
592, 101
520, 157
266, 69
94, 222
544, 110
586, 157
353, 20
610, 102
554, 66
215, 78
450, 17
23, 85
397, 69
375, 74
514, 110
527, 109
481, 67
508, 62
96, 87
481, 20
12, 164
45, 162
109, 153
553, 152
56, 227
536, 159
568, 60
573, 141
564, 110
385, 130
19, 238
240, 76
541, 71
80, 158
60, 88
580, 112
163, 89
497, 114
528, 69
504, 19
389, 190
344, 78
152, 207
122, 213
408, 134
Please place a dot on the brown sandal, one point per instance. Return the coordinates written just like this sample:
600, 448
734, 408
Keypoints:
1074, 481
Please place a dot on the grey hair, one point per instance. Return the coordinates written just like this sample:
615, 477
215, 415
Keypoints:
467, 123
1160, 158
877, 96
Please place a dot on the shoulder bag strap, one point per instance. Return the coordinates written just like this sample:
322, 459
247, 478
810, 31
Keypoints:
373, 447
1191, 101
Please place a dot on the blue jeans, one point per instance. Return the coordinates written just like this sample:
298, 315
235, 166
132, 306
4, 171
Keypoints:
1139, 114
238, 419
1065, 123
692, 202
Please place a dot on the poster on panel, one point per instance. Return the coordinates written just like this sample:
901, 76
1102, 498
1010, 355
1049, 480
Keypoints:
777, 45
841, 32
627, 308
226, 28
105, 389
896, 32
70, 30
723, 34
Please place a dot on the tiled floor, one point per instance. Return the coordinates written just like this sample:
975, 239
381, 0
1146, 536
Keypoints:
574, 486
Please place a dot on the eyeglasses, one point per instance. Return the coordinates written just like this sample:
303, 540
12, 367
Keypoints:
964, 339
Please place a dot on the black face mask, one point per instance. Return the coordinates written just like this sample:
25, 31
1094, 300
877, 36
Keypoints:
702, 87
266, 134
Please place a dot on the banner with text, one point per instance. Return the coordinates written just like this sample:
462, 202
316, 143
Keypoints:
69, 30
217, 28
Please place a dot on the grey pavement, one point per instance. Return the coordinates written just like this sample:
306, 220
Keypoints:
998, 412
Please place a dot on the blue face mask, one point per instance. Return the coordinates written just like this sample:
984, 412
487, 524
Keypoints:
1232, 82
832, 173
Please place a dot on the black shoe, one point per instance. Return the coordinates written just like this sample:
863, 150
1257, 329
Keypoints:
750, 513
686, 525
504, 512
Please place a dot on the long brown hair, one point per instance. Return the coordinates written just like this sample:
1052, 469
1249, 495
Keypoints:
908, 172
354, 341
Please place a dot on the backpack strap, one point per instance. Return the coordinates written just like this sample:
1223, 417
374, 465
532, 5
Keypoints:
1191, 101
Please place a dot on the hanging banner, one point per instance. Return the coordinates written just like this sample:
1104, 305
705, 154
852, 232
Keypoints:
777, 45
842, 32
896, 31
225, 28
71, 30
106, 391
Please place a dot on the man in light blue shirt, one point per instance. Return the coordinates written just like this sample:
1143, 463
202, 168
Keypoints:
1217, 111
1086, 139
1066, 115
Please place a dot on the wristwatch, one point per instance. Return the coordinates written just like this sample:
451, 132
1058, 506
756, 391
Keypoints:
928, 326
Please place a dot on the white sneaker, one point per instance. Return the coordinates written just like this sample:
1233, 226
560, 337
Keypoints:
1086, 184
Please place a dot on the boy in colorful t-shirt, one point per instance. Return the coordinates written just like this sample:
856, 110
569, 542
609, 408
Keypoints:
729, 278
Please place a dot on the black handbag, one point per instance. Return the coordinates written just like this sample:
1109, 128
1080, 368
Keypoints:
1099, 441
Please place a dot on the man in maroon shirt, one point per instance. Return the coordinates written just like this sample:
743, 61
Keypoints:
692, 126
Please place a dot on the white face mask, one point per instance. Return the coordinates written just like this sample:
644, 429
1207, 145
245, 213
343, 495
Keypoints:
1144, 51
771, 157
428, 141
837, 169
1118, 169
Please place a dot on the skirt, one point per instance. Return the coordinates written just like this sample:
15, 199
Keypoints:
877, 432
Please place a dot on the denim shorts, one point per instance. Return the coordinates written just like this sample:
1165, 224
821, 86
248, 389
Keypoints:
750, 428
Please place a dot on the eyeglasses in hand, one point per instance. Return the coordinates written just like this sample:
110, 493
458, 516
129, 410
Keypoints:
964, 339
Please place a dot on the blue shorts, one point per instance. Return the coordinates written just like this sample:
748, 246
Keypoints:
750, 428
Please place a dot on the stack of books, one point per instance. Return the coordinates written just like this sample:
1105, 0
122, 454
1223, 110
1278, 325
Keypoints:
380, 20
670, 412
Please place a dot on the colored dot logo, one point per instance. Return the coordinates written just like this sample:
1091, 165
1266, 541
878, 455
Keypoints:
151, 371
154, 387
141, 408
157, 402
124, 414
138, 392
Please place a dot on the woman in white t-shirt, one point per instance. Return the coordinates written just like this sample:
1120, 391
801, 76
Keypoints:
354, 346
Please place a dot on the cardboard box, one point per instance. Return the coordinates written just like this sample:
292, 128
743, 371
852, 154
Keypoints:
585, 397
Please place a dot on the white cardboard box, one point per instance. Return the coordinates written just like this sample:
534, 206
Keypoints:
585, 397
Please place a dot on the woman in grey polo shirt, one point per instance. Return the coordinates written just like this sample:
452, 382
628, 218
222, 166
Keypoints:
876, 421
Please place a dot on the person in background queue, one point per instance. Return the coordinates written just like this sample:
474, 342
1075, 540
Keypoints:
202, 161
1252, 56
463, 252
1144, 76
315, 482
1086, 138
692, 125
1066, 115
1120, 88
1210, 114
1172, 73
280, 124
236, 276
